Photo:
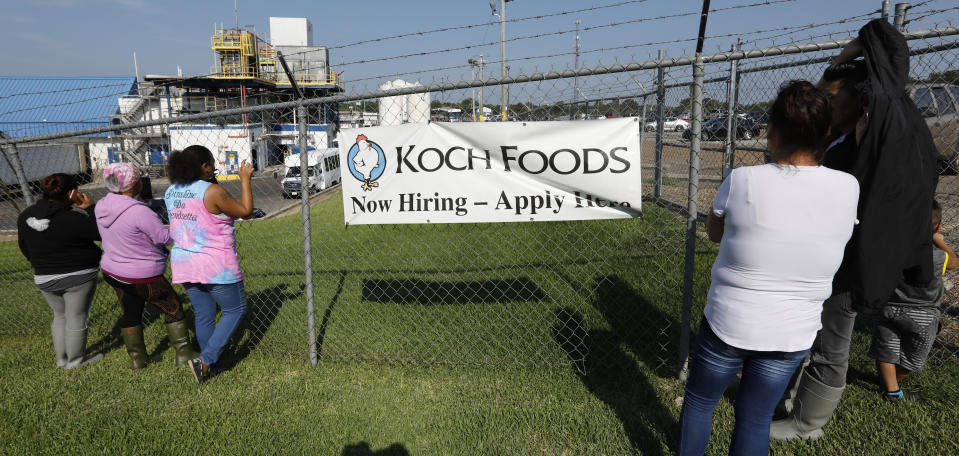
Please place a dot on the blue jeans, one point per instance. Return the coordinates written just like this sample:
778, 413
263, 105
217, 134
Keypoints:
713, 367
213, 337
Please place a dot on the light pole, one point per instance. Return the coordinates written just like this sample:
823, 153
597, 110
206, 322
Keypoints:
502, 52
473, 89
480, 63
572, 105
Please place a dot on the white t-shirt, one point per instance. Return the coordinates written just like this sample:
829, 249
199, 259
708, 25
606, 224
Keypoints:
786, 228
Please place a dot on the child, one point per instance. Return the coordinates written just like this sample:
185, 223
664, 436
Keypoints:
907, 326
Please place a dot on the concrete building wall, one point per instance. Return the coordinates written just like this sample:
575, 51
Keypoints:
291, 31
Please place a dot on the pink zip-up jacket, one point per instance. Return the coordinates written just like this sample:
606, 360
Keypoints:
134, 239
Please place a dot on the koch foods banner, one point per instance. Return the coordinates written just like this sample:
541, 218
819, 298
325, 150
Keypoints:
491, 172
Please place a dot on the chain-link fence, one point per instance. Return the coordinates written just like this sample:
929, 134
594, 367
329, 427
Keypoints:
527, 294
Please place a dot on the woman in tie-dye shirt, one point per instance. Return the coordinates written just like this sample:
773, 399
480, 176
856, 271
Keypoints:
204, 257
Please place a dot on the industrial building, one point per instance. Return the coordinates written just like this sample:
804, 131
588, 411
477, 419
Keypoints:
246, 72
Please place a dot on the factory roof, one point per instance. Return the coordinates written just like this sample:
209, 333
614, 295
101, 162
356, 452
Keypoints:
36, 105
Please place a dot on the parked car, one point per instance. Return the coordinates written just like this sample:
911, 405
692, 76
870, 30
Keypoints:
760, 117
671, 124
715, 129
939, 105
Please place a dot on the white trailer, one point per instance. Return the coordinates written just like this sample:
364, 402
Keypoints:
323, 171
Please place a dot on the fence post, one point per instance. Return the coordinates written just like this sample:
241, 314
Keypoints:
307, 237
900, 19
731, 119
660, 104
13, 156
692, 213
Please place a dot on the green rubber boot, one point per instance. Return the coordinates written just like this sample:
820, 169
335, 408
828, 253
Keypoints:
814, 404
180, 340
133, 339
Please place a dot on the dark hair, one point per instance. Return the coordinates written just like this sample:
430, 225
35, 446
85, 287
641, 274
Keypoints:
936, 213
851, 74
801, 117
184, 165
56, 187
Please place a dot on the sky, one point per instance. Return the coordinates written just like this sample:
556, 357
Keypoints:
99, 37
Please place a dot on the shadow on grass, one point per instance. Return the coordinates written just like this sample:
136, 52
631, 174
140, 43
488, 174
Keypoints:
262, 309
613, 376
414, 291
650, 333
327, 315
363, 449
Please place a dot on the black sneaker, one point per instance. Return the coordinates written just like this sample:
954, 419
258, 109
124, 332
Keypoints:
200, 370
902, 395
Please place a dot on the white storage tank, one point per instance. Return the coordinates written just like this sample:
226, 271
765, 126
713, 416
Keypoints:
401, 109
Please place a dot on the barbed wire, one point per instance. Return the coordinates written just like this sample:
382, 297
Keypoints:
927, 13
566, 31
484, 24
810, 27
281, 92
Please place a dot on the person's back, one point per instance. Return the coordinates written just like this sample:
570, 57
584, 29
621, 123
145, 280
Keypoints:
134, 239
785, 229
782, 228
204, 250
204, 257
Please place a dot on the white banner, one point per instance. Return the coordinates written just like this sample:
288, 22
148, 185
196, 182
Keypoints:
491, 172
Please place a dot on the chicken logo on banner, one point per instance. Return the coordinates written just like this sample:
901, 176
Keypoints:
366, 161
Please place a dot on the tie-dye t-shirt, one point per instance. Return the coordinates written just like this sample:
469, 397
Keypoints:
204, 246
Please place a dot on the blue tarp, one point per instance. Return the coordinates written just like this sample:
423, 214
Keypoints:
36, 105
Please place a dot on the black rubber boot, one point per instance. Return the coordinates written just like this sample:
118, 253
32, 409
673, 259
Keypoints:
133, 339
179, 336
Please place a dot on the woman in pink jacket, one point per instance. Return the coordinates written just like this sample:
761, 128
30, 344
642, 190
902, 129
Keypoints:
133, 263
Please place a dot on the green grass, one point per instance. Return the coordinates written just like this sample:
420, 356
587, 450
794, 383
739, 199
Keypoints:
449, 339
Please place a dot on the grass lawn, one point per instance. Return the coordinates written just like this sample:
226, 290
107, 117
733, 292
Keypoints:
448, 339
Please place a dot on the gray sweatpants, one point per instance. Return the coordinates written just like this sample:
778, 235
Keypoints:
829, 358
72, 305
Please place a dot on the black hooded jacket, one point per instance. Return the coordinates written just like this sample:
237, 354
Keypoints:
897, 172
57, 238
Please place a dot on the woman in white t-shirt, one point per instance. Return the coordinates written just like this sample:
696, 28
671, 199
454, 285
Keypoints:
783, 227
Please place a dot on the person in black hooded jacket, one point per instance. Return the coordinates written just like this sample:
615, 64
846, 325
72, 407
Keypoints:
57, 236
894, 159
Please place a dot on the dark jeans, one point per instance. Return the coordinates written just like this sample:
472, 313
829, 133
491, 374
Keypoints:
713, 367
133, 296
829, 358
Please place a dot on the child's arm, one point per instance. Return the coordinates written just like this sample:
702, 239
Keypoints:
940, 241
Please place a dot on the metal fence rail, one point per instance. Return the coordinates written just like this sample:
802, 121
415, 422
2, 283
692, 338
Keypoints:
528, 294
